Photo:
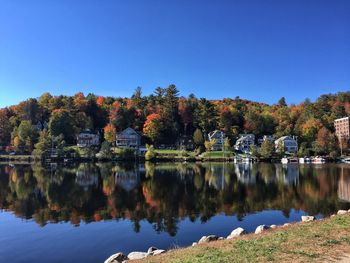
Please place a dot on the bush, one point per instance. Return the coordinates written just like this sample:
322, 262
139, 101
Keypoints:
151, 153
126, 153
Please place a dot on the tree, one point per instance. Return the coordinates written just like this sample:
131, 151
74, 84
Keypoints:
267, 149
62, 122
206, 116
282, 102
110, 133
153, 127
27, 136
151, 153
198, 137
209, 145
43, 145
185, 112
227, 144
5, 128
105, 151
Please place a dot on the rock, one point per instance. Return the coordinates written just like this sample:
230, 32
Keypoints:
206, 239
221, 238
349, 210
273, 226
158, 251
261, 229
194, 244
151, 249
286, 224
137, 255
116, 258
307, 218
237, 232
342, 212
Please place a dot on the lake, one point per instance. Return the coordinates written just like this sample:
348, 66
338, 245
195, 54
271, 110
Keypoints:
86, 212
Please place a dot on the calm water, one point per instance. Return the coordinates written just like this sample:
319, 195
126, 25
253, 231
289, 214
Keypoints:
87, 212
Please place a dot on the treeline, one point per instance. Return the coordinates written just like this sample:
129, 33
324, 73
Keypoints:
164, 116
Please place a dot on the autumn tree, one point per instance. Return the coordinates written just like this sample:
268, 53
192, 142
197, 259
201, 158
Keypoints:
109, 133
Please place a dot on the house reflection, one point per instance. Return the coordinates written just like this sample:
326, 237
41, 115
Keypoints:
344, 186
127, 179
288, 173
244, 173
86, 176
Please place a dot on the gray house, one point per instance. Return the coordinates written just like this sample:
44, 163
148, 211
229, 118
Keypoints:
244, 142
128, 138
219, 139
289, 144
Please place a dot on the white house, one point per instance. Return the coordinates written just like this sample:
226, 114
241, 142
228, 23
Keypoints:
87, 138
128, 138
219, 139
289, 144
244, 142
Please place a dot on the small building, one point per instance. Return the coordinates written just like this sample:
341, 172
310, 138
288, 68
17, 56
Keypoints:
87, 138
289, 144
218, 136
244, 142
128, 138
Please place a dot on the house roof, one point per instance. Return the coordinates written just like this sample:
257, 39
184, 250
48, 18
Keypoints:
87, 131
128, 131
213, 133
283, 138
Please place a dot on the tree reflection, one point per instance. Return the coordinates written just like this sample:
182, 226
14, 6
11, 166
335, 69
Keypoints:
164, 193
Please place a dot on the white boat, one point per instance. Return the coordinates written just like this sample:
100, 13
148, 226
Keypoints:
304, 160
345, 160
318, 159
284, 160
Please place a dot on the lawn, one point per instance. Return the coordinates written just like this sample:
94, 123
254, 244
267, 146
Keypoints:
320, 241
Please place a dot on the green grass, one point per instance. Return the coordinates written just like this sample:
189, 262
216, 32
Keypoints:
319, 241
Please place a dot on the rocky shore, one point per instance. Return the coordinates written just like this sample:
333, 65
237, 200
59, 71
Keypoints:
236, 233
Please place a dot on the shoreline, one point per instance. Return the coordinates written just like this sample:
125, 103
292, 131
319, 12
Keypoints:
176, 159
264, 245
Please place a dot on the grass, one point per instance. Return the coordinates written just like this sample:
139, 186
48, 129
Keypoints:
320, 241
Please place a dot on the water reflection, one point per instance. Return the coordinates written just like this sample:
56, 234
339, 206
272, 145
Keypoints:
164, 193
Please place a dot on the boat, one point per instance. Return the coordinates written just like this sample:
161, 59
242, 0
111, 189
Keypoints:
304, 160
318, 159
284, 160
345, 160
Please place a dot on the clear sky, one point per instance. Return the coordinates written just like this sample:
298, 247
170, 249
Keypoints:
256, 49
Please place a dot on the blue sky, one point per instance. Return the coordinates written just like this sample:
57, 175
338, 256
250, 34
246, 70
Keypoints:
259, 50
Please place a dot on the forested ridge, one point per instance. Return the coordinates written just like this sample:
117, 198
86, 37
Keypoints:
164, 116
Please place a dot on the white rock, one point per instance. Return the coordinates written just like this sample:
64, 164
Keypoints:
273, 226
158, 251
286, 224
261, 229
137, 255
236, 233
333, 215
116, 258
307, 218
206, 239
151, 249
342, 212
194, 244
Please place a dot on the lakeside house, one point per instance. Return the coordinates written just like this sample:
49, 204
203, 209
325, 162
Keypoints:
288, 143
128, 138
218, 136
87, 138
244, 142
